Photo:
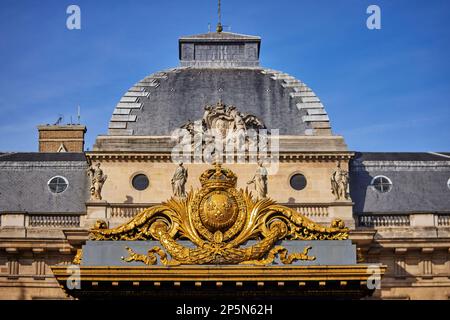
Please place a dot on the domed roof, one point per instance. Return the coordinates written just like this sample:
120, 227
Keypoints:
218, 67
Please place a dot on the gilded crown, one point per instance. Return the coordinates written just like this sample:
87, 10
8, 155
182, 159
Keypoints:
218, 177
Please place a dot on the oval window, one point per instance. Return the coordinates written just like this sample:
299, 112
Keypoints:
57, 184
298, 182
382, 184
140, 182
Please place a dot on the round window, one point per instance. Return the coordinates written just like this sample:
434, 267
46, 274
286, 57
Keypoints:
298, 181
57, 184
140, 182
382, 184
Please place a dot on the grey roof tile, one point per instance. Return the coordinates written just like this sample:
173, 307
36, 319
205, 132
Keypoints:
398, 156
24, 182
185, 91
42, 156
419, 182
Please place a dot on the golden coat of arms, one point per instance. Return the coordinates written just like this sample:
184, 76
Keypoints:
220, 220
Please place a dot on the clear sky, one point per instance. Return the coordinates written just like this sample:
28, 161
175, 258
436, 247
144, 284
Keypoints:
384, 90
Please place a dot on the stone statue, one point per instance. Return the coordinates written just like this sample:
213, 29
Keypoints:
239, 133
222, 127
206, 120
238, 121
179, 181
260, 181
97, 180
225, 120
339, 183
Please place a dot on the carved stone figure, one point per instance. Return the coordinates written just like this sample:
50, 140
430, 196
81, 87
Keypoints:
179, 181
339, 183
260, 181
206, 121
237, 134
97, 179
222, 128
224, 120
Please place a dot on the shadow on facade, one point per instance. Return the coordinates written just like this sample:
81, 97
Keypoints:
360, 180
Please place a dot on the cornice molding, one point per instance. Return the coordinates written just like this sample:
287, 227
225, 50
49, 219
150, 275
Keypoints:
166, 156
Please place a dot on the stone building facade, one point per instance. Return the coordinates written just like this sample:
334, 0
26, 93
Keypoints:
397, 204
402, 202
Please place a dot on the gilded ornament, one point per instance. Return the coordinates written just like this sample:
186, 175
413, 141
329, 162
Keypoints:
219, 219
78, 257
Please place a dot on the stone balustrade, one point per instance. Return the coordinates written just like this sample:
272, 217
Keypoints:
50, 221
443, 220
54, 221
384, 221
416, 220
126, 211
310, 211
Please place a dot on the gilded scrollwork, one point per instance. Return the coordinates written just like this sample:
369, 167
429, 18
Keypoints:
285, 258
149, 258
219, 220
221, 253
78, 257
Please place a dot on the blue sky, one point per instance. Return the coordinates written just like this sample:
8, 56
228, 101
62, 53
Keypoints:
385, 90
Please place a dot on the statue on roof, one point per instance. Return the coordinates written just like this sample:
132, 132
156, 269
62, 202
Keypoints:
97, 180
222, 128
224, 120
339, 183
179, 180
260, 181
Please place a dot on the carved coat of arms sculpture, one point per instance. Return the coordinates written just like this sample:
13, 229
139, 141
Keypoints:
219, 220
224, 124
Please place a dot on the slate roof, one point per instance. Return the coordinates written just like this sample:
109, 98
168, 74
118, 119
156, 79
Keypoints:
42, 156
218, 66
419, 182
400, 156
164, 101
24, 178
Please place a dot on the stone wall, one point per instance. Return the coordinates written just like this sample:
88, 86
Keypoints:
417, 256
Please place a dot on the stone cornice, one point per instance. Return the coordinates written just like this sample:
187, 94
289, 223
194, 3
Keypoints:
166, 156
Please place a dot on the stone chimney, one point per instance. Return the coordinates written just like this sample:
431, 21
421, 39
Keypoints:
61, 138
